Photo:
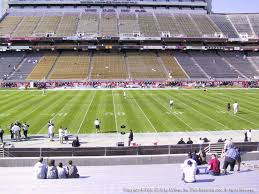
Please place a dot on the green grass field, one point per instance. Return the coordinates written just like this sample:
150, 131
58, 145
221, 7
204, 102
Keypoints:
142, 110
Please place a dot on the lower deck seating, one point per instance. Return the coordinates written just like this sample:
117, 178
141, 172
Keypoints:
8, 63
42, 69
71, 66
145, 65
108, 66
27, 65
172, 66
214, 65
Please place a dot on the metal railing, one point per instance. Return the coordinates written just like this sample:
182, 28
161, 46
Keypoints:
215, 148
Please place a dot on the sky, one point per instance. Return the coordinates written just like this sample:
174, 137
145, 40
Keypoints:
235, 6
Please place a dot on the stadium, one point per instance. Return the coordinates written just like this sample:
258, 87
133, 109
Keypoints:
165, 69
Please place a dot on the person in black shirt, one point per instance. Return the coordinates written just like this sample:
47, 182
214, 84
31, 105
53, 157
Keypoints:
228, 107
181, 141
130, 137
189, 141
76, 142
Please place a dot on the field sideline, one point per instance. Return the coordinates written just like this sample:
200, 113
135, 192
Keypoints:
142, 110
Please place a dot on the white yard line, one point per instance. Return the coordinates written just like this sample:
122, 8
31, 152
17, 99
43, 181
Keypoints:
56, 113
170, 110
201, 113
144, 114
86, 113
115, 116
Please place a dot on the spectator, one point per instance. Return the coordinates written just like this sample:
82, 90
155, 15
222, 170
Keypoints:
196, 157
228, 144
66, 135
214, 166
189, 173
206, 140
201, 141
189, 141
60, 135
230, 158
202, 157
16, 131
51, 131
189, 158
76, 142
11, 132
181, 141
130, 137
238, 159
40, 169
25, 129
52, 172
1, 134
220, 140
97, 125
72, 170
249, 135
62, 172
246, 138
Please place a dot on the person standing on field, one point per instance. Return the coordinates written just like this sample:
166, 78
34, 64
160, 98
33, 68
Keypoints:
235, 107
171, 102
249, 135
130, 137
25, 129
228, 107
97, 125
1, 134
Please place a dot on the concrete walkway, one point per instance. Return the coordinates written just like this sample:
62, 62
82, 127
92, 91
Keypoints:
144, 179
97, 140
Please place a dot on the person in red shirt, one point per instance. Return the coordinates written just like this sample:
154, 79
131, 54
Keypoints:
214, 166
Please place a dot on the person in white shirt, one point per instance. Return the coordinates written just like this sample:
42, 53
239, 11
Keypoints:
124, 94
60, 135
40, 169
51, 132
228, 144
171, 102
235, 107
189, 173
97, 125
16, 131
249, 135
62, 172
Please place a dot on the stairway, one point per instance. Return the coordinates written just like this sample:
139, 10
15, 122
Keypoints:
215, 148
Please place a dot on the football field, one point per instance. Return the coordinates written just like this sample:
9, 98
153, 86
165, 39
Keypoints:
141, 110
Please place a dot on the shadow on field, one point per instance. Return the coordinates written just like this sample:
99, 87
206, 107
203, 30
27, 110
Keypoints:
205, 180
110, 131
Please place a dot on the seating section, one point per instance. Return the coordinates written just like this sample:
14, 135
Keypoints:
108, 66
241, 24
42, 69
109, 24
147, 25
48, 24
172, 66
189, 65
27, 65
254, 20
240, 62
112, 23
9, 24
67, 26
26, 26
224, 25
206, 26
187, 25
167, 23
145, 65
214, 65
128, 23
71, 66
254, 58
9, 63
88, 23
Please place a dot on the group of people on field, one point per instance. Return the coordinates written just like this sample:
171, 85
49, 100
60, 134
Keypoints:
51, 171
